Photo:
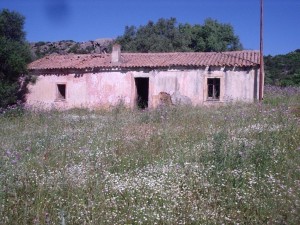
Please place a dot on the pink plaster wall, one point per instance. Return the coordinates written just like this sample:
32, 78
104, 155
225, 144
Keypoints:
109, 88
89, 90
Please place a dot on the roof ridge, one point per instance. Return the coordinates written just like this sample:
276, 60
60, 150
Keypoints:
151, 60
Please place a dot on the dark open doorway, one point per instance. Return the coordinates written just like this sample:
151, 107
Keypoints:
142, 90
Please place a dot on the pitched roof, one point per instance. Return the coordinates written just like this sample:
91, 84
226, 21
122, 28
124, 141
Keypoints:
150, 60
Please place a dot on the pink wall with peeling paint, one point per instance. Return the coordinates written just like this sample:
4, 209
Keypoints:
105, 89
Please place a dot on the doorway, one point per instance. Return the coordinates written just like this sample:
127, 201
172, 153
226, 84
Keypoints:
142, 90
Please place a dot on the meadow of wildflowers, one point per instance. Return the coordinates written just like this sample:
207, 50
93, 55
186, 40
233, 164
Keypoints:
235, 164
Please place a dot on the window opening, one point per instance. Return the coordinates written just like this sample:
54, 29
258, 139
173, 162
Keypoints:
213, 87
61, 91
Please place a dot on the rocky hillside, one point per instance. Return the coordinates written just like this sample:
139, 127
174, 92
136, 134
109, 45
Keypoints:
40, 49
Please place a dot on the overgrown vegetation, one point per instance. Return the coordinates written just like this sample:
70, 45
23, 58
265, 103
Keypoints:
235, 164
283, 70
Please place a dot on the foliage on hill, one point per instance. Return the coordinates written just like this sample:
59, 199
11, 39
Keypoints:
14, 56
166, 35
283, 70
41, 49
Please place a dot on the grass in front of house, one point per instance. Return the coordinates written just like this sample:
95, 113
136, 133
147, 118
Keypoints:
234, 164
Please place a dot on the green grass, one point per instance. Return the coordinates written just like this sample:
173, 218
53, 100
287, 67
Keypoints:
236, 164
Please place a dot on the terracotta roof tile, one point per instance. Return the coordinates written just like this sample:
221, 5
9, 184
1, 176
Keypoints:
151, 60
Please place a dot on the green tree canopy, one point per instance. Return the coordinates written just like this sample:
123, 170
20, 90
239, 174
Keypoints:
14, 56
283, 70
166, 35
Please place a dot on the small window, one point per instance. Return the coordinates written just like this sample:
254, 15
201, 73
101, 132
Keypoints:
213, 89
61, 92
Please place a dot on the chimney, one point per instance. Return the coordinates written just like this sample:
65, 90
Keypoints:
116, 54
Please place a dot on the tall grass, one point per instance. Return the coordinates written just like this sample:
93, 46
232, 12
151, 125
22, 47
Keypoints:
235, 164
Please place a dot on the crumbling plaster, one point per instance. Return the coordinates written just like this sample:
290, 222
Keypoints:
108, 88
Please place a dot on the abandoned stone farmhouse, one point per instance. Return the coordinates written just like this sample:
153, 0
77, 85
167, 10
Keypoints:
140, 79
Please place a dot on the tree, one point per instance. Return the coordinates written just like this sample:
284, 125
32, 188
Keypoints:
283, 70
166, 35
219, 37
14, 57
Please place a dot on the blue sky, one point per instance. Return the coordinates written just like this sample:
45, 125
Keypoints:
83, 20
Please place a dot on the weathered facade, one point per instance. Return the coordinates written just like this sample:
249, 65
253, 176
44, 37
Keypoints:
137, 79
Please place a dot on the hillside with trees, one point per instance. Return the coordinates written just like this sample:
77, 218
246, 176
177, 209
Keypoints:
283, 70
166, 35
